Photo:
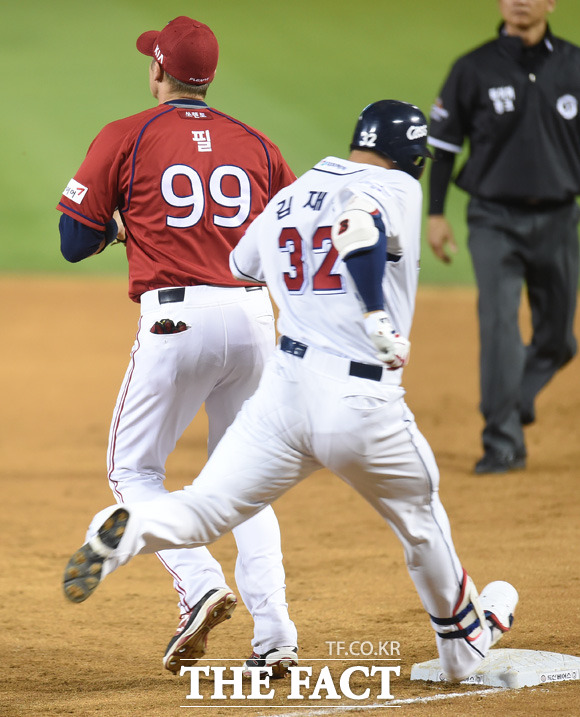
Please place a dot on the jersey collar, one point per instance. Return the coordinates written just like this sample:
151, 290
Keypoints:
186, 102
530, 59
515, 44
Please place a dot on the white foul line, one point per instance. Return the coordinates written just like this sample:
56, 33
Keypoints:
364, 708
392, 703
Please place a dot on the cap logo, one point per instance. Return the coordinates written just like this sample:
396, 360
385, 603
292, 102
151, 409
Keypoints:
158, 54
416, 132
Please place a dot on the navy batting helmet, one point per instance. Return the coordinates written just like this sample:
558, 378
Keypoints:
397, 130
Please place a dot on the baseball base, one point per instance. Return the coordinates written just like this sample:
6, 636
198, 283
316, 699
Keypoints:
510, 668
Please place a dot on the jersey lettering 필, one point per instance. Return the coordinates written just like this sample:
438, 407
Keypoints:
187, 180
290, 247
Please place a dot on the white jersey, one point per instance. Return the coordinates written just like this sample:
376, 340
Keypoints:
289, 246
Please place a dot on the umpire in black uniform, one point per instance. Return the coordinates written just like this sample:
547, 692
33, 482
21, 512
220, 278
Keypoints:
516, 100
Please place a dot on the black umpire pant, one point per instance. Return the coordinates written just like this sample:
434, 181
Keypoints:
511, 245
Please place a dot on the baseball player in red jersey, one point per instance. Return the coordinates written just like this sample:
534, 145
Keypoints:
339, 249
180, 183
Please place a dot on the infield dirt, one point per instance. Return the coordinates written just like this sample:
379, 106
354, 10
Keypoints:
65, 349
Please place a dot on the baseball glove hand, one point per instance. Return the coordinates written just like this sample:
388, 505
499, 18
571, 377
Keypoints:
167, 326
121, 237
393, 349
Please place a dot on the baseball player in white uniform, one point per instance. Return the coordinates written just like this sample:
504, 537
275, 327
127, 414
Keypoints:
339, 250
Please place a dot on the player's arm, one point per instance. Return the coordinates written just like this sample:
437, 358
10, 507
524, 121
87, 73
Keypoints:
79, 241
360, 239
242, 274
245, 262
89, 220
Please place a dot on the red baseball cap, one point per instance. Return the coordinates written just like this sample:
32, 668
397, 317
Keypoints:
185, 48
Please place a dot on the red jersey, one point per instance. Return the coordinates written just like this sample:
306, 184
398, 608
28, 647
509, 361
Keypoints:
188, 180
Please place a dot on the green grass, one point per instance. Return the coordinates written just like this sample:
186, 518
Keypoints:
299, 71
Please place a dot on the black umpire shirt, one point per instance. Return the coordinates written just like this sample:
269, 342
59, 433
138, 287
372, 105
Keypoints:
519, 108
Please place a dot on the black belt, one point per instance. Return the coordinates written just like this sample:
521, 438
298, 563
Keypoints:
172, 296
360, 370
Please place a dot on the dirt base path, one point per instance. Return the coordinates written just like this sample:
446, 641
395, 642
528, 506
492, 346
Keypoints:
65, 347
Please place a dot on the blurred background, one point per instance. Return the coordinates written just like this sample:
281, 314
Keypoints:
298, 71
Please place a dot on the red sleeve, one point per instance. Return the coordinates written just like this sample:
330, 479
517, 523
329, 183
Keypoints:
282, 175
92, 195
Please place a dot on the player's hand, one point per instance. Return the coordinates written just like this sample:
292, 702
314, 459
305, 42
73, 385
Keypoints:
392, 348
121, 235
440, 234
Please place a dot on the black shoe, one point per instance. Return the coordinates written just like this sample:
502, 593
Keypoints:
279, 660
527, 415
190, 640
493, 462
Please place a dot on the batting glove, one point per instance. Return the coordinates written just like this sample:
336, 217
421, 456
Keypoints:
393, 349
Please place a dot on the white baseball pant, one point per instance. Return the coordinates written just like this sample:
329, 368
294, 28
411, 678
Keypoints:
307, 413
218, 362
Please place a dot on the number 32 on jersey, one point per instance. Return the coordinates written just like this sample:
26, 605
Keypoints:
325, 279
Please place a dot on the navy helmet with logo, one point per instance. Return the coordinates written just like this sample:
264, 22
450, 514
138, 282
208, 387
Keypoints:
397, 130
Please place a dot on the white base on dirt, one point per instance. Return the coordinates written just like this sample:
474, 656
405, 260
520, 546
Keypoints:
510, 668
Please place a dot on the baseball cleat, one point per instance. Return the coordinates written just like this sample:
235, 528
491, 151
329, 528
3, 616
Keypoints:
279, 659
190, 639
83, 572
499, 600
